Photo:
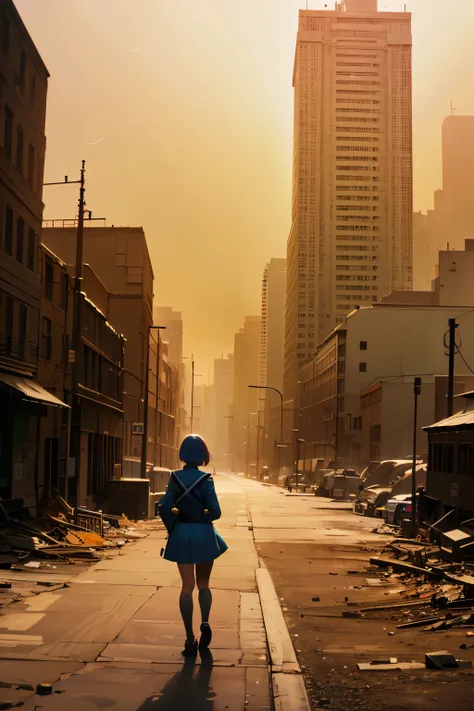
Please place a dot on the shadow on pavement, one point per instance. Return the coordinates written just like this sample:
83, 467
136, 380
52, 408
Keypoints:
188, 689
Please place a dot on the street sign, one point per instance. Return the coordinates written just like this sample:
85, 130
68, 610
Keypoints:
138, 428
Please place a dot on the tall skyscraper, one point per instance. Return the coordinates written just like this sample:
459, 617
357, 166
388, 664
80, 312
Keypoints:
450, 223
246, 401
166, 316
272, 343
351, 236
224, 396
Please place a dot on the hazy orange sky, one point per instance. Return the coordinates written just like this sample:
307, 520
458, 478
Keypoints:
194, 101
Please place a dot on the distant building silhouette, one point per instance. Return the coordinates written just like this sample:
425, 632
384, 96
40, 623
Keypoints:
450, 222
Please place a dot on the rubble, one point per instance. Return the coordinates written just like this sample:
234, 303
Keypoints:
60, 536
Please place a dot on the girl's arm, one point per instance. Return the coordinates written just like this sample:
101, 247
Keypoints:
212, 502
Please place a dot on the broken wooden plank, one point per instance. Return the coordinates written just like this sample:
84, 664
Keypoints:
407, 567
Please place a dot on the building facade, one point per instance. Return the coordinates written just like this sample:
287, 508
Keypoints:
351, 235
247, 402
272, 346
449, 223
23, 90
100, 387
119, 256
173, 337
224, 395
378, 344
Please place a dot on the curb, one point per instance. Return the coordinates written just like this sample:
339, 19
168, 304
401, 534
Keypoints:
289, 691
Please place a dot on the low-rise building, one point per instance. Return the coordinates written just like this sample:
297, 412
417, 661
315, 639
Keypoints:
381, 343
100, 386
449, 483
386, 412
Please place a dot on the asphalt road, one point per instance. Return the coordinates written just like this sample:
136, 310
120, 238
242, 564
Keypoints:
317, 552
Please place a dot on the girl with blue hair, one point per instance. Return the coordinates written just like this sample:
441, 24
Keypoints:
188, 509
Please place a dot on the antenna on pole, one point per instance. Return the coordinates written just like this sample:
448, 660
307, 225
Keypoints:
452, 109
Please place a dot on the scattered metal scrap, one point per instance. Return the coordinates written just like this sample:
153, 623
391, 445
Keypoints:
61, 533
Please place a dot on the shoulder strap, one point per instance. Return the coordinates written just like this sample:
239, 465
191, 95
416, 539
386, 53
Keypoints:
190, 488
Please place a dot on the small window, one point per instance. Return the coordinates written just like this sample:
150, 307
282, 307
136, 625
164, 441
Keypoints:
22, 74
31, 165
46, 339
20, 235
19, 149
134, 275
64, 291
9, 231
5, 34
65, 349
33, 88
8, 133
31, 249
362, 367
48, 280
363, 345
22, 328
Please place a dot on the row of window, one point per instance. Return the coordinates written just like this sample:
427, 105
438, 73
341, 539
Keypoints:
17, 156
5, 43
23, 248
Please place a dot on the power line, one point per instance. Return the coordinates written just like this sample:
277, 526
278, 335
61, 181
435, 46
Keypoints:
458, 350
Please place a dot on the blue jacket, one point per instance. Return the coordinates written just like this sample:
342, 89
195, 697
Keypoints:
199, 506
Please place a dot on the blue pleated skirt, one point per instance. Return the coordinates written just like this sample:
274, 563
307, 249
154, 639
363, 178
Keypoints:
194, 543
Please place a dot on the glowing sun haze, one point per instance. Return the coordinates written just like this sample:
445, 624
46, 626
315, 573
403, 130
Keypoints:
183, 111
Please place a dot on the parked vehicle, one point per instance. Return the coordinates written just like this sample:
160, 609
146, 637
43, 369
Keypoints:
299, 483
396, 507
376, 490
346, 485
399, 504
334, 482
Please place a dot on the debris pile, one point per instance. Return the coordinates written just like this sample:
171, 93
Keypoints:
60, 535
434, 595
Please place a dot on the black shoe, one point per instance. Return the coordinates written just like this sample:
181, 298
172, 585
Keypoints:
206, 636
190, 648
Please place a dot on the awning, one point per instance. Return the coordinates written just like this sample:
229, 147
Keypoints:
30, 390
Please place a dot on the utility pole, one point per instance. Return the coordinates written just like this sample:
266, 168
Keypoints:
194, 375
416, 392
72, 356
451, 353
76, 354
192, 392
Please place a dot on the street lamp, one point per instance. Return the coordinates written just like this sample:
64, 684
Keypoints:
147, 394
275, 390
416, 394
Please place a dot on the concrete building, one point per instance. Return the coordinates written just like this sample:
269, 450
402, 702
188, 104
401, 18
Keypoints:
384, 342
449, 224
351, 235
386, 407
119, 256
224, 397
246, 401
173, 337
272, 346
23, 90
100, 386
205, 415
173, 320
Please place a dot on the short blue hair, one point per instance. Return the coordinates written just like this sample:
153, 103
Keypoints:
194, 451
